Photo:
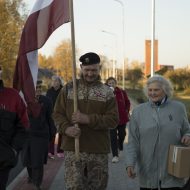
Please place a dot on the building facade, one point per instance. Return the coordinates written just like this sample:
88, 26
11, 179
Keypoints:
147, 68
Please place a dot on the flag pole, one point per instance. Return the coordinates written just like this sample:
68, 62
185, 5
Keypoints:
74, 72
153, 40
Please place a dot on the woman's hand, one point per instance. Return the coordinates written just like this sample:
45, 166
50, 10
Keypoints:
186, 140
130, 172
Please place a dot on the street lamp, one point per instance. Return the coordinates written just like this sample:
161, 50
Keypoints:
114, 59
123, 22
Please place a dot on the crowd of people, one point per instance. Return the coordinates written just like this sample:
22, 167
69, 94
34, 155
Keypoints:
99, 123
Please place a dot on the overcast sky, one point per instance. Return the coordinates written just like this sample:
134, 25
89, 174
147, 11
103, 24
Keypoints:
93, 16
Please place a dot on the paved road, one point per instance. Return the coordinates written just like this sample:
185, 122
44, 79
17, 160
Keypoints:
15, 171
118, 179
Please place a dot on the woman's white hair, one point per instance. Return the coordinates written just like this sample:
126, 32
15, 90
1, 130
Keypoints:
165, 85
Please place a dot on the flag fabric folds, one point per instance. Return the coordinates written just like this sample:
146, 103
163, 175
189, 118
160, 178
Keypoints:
45, 17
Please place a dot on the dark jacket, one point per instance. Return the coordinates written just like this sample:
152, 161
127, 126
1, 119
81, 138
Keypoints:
52, 94
41, 125
36, 151
13, 122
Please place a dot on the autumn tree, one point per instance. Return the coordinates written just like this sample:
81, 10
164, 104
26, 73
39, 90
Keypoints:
134, 74
62, 60
46, 62
180, 78
105, 66
11, 26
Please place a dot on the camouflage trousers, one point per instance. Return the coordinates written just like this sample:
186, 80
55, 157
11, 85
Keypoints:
89, 173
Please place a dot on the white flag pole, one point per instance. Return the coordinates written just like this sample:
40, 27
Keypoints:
74, 72
153, 39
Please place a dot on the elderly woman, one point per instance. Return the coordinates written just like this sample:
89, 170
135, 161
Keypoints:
155, 125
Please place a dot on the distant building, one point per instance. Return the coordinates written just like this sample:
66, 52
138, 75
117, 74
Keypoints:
169, 67
147, 68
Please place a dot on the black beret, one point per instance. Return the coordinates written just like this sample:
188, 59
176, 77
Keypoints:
89, 59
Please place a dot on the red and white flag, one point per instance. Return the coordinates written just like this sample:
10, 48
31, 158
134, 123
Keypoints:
45, 17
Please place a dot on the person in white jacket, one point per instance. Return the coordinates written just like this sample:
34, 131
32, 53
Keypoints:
154, 125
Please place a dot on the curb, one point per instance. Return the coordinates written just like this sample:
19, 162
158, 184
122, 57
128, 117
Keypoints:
16, 180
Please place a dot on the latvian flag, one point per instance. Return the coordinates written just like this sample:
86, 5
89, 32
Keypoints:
45, 17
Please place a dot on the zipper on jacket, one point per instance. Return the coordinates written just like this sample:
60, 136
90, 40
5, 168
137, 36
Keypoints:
159, 156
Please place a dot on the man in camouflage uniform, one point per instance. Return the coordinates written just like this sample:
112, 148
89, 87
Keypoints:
97, 112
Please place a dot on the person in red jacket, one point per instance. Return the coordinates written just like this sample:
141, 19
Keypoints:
118, 134
13, 129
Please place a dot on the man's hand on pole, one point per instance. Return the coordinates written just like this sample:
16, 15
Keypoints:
73, 131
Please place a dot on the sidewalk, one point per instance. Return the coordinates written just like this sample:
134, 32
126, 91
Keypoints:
50, 171
118, 179
54, 177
